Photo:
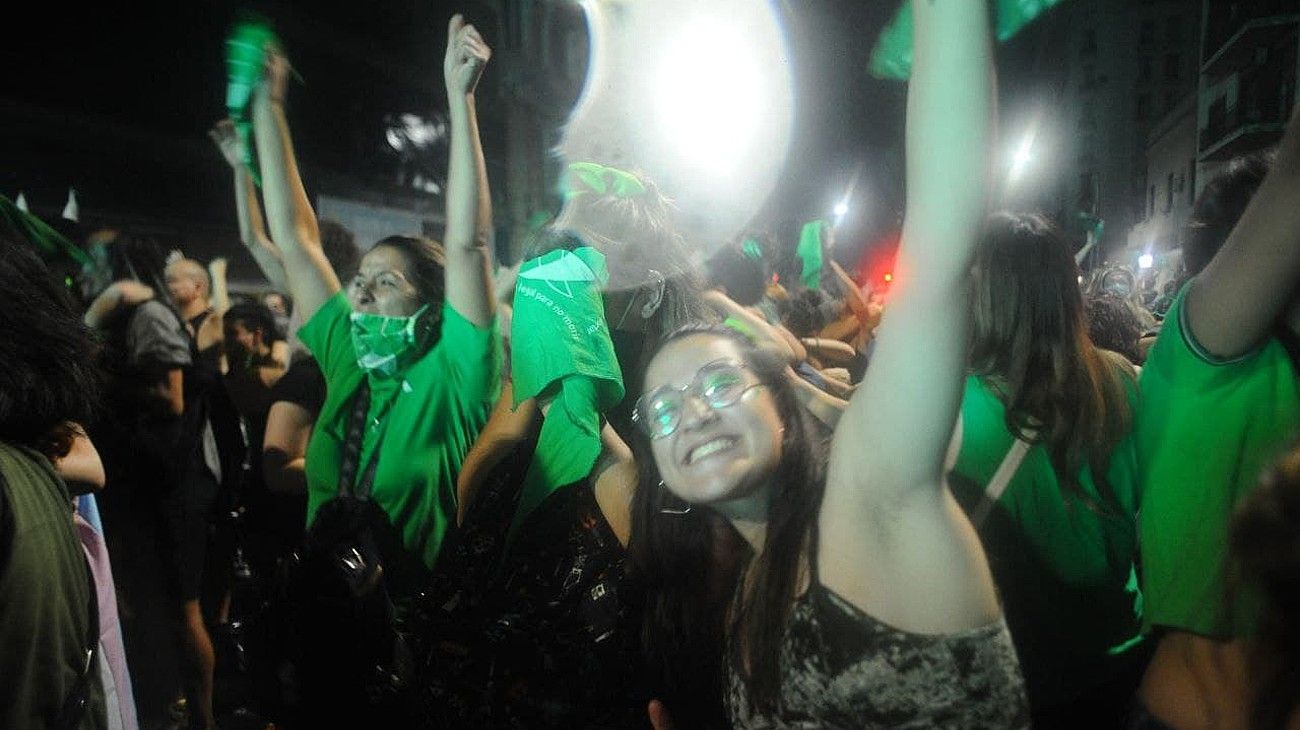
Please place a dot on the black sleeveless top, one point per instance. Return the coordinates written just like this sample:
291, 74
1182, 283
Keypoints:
841, 668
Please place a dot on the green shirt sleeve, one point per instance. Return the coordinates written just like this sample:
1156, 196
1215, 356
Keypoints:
471, 355
1206, 429
328, 336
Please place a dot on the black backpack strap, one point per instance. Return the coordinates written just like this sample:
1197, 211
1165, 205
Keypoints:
352, 440
349, 484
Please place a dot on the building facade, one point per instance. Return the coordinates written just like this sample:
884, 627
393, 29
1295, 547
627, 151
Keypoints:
1128, 70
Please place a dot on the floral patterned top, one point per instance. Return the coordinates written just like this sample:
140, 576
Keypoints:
841, 668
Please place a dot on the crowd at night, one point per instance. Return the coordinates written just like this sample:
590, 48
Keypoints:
649, 367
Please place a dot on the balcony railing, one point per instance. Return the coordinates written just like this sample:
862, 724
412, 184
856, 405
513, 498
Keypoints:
1233, 130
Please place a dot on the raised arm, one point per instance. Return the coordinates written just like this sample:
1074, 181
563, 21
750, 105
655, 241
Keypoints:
220, 286
892, 540
311, 280
1234, 302
469, 203
252, 228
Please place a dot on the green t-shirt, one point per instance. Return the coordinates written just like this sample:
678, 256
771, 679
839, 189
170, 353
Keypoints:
1065, 570
435, 410
1206, 430
44, 596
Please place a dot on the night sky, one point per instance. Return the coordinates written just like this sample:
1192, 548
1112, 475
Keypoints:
116, 101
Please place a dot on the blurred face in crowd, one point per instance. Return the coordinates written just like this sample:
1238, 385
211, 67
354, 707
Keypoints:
186, 281
275, 302
241, 341
715, 429
383, 284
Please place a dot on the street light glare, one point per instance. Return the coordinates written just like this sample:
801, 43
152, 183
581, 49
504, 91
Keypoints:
841, 209
1146, 261
1023, 155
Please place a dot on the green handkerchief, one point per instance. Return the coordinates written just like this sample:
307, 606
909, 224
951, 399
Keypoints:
892, 56
561, 347
810, 252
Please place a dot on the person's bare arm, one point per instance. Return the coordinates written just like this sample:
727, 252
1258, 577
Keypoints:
505, 428
311, 280
468, 239
284, 447
1234, 302
81, 468
248, 210
116, 296
892, 540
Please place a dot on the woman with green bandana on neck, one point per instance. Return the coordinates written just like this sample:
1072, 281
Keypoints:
409, 350
529, 618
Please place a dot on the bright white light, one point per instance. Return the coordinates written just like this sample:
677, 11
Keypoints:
1146, 261
395, 140
1023, 155
709, 93
841, 209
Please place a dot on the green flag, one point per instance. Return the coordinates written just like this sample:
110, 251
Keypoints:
892, 56
245, 60
810, 253
560, 346
48, 241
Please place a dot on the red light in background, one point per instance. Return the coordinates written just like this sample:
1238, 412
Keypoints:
889, 277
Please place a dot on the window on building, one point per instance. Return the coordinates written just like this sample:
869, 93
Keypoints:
1143, 107
1144, 69
1147, 32
1089, 45
1151, 202
1191, 181
1169, 193
1173, 64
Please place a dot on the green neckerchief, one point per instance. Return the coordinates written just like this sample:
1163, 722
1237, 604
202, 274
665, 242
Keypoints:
385, 345
892, 56
810, 252
751, 249
37, 232
245, 60
584, 177
560, 345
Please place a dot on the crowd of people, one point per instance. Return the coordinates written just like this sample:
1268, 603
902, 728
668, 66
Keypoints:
607, 487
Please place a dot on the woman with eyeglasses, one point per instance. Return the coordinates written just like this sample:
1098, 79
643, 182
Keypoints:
866, 600
410, 345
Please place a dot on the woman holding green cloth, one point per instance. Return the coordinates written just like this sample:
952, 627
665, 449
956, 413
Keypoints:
531, 618
410, 349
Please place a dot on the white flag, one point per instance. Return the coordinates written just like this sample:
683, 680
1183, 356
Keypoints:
72, 211
21, 202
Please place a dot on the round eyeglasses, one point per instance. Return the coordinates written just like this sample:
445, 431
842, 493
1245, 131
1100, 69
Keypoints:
719, 384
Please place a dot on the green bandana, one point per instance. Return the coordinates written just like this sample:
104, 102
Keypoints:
751, 249
584, 177
245, 59
46, 240
561, 344
810, 252
385, 345
892, 57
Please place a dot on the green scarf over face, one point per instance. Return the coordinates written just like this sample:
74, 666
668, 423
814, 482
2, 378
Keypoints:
560, 346
47, 241
810, 252
892, 56
245, 59
386, 345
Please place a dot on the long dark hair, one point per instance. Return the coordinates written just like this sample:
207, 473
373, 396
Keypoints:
48, 377
689, 577
1264, 545
1031, 344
